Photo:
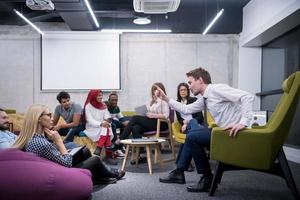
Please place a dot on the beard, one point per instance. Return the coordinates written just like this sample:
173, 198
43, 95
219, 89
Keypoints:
4, 127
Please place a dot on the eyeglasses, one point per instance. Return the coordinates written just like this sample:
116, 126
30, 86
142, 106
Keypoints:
181, 90
48, 114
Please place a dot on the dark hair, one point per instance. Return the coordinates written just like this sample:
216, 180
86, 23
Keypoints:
200, 72
2, 110
112, 94
62, 95
178, 92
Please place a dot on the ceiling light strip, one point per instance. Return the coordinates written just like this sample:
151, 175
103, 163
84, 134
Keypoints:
91, 12
137, 30
29, 22
213, 21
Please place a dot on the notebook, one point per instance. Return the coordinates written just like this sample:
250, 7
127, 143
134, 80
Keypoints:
141, 110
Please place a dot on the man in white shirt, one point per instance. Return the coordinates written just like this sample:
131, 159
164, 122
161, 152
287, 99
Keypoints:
230, 108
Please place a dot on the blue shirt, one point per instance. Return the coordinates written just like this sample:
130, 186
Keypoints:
7, 139
40, 146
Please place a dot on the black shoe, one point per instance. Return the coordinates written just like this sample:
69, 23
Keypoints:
118, 174
97, 151
174, 176
202, 186
106, 181
191, 168
141, 160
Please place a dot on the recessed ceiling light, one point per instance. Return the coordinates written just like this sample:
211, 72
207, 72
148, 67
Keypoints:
142, 21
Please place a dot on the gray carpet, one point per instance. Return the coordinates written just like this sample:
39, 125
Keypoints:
246, 184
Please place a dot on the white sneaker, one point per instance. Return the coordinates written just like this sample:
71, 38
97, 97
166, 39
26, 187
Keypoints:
120, 154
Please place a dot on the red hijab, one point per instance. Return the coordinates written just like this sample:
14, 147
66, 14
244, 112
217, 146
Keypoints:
92, 99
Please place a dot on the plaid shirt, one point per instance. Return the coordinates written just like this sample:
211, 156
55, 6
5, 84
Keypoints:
40, 146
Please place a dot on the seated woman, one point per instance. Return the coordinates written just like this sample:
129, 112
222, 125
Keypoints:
98, 127
137, 125
183, 96
35, 136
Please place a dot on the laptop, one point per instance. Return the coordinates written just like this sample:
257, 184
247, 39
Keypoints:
141, 110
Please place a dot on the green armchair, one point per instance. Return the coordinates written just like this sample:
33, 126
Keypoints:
259, 148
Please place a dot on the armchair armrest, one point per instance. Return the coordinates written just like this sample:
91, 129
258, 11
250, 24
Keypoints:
251, 148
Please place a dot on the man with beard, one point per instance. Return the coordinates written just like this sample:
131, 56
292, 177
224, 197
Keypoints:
6, 138
71, 113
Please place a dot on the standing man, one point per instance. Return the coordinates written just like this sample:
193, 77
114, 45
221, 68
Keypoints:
231, 108
71, 113
6, 138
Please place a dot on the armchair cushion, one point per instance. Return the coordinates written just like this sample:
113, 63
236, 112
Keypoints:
251, 148
178, 135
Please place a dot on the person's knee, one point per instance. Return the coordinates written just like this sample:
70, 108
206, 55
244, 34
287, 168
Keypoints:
136, 131
190, 139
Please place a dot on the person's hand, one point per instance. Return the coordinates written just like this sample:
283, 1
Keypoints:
55, 128
150, 115
160, 94
234, 129
183, 127
53, 135
105, 124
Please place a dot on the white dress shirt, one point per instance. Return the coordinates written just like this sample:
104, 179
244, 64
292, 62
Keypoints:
227, 105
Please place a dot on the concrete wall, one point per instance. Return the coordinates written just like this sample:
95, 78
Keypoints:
145, 59
250, 72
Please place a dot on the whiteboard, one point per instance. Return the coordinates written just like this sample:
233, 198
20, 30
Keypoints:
76, 60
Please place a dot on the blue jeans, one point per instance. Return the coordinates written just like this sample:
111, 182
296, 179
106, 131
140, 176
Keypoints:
197, 138
114, 125
192, 125
71, 132
70, 145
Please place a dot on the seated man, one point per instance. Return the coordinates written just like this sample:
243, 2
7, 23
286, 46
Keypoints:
71, 113
6, 138
118, 120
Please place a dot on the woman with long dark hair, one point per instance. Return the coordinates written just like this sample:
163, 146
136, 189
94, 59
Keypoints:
183, 96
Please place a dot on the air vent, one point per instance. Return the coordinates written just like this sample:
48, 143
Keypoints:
155, 6
40, 4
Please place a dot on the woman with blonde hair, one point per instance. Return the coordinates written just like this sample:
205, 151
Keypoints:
157, 109
35, 135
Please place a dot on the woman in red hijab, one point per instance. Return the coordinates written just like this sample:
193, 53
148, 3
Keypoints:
97, 126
